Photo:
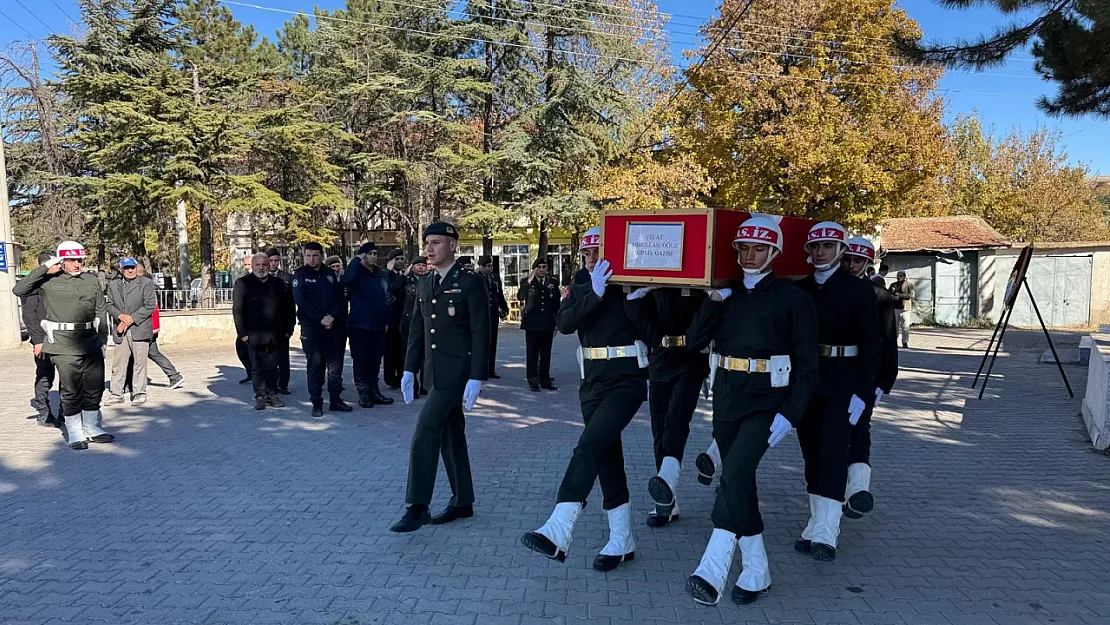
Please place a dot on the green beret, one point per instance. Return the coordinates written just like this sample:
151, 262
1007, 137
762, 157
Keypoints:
441, 227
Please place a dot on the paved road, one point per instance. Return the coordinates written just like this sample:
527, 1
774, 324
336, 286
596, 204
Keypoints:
206, 511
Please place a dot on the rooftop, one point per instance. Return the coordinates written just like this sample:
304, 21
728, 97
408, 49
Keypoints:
958, 232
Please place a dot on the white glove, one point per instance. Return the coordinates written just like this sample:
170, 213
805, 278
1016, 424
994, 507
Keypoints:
720, 295
599, 276
54, 260
641, 292
470, 394
855, 409
779, 429
408, 382
878, 396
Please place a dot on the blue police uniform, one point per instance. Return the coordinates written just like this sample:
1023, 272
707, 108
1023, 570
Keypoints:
318, 294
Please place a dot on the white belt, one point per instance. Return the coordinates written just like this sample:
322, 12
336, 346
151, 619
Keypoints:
609, 353
838, 351
749, 365
70, 326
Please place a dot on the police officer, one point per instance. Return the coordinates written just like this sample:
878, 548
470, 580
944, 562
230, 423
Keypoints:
858, 499
283, 342
676, 374
540, 294
849, 355
450, 334
74, 332
498, 307
320, 302
764, 370
614, 332
413, 273
33, 310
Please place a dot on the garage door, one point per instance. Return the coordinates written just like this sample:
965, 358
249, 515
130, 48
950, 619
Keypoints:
1062, 286
953, 289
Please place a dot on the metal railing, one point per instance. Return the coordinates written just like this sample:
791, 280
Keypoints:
194, 299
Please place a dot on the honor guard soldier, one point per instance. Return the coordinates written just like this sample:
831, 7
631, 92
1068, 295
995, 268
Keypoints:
450, 335
274, 257
848, 355
75, 331
498, 307
858, 499
614, 332
763, 372
540, 295
320, 302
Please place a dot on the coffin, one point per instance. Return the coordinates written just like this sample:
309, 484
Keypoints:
690, 247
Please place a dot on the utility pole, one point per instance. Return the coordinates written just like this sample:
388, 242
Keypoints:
9, 307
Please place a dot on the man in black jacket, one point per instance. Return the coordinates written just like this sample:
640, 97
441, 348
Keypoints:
34, 311
498, 307
450, 334
263, 310
614, 332
858, 499
320, 303
540, 294
368, 290
394, 360
274, 258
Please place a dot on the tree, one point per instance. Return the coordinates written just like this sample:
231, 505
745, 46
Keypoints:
1070, 42
822, 127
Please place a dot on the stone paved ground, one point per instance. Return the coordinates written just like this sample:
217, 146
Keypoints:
206, 511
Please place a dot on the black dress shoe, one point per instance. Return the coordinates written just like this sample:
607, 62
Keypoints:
702, 591
284, 391
549, 387
452, 513
822, 552
246, 380
338, 405
608, 563
259, 403
706, 469
542, 544
79, 445
364, 401
861, 503
535, 387
377, 397
803, 546
102, 438
317, 409
415, 518
850, 513
745, 597
661, 516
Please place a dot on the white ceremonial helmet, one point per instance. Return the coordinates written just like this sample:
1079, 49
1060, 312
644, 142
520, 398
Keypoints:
828, 231
590, 239
760, 230
859, 246
71, 249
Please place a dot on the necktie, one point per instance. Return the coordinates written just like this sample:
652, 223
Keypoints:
435, 281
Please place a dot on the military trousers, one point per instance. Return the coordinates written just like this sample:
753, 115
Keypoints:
672, 404
367, 348
608, 405
323, 352
494, 323
538, 353
44, 381
440, 431
80, 381
859, 445
824, 436
742, 444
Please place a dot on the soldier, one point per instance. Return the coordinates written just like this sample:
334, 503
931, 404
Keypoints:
450, 335
75, 307
859, 501
320, 301
498, 307
540, 294
849, 355
394, 360
276, 271
614, 331
34, 312
418, 269
764, 370
676, 375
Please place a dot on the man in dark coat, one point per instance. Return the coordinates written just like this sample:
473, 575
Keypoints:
368, 290
263, 310
394, 360
450, 334
320, 302
540, 295
34, 311
274, 258
498, 307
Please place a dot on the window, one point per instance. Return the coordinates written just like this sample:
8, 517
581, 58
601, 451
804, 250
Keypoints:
561, 263
515, 264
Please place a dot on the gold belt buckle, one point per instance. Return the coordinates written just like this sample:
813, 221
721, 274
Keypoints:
761, 366
597, 353
826, 350
674, 341
620, 352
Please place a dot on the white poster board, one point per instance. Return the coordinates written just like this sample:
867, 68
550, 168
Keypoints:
654, 245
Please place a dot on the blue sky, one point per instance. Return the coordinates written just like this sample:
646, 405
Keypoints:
1015, 87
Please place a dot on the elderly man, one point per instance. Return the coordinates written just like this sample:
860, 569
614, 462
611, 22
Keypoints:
263, 310
131, 303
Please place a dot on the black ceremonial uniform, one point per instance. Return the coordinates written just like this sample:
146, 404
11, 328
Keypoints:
676, 373
772, 319
449, 337
859, 449
317, 293
537, 319
846, 313
611, 391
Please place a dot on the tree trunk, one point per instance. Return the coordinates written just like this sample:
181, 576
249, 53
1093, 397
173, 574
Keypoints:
549, 88
487, 246
207, 254
487, 134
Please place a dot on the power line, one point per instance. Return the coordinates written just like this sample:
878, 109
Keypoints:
12, 20
865, 63
66, 13
34, 15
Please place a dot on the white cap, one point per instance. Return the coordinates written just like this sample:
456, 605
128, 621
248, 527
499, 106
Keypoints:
590, 239
859, 246
761, 230
827, 231
71, 249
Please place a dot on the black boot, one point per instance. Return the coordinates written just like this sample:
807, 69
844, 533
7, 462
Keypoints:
745, 597
338, 405
452, 513
275, 401
803, 546
548, 386
364, 400
416, 516
260, 402
822, 552
317, 408
662, 516
378, 398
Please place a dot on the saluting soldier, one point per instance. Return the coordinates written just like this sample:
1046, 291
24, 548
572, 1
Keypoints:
858, 498
450, 335
540, 294
848, 355
320, 302
75, 332
498, 308
614, 331
764, 370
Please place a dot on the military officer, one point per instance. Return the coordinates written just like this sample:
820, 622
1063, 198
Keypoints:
764, 370
450, 335
498, 307
75, 332
276, 271
614, 332
540, 294
320, 302
393, 361
858, 498
413, 273
849, 355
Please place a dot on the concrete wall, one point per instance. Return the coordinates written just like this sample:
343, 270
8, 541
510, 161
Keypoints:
1096, 401
199, 328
